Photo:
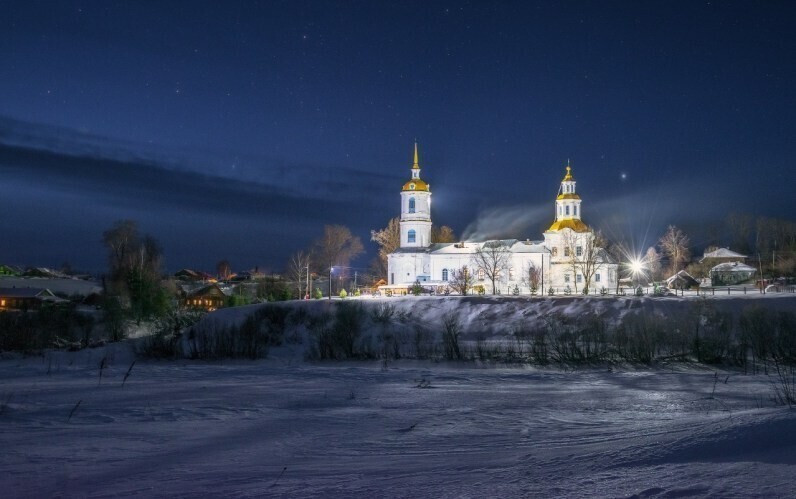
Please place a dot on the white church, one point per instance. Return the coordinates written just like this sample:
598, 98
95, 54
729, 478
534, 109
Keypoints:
566, 261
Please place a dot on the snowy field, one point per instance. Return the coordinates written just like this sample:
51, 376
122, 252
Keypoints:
283, 427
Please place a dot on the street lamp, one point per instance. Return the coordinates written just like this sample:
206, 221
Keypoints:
331, 270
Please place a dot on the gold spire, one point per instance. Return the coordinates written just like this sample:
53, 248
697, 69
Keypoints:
416, 165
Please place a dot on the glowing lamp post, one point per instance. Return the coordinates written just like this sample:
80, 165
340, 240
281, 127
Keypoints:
636, 268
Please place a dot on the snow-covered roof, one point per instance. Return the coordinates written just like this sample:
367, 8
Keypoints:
732, 267
25, 292
722, 253
469, 247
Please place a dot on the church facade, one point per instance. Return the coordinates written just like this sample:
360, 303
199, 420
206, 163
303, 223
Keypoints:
568, 259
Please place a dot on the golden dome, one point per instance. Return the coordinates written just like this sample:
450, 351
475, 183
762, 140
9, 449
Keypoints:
569, 223
415, 185
568, 196
568, 177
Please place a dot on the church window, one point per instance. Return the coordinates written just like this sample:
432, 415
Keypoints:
511, 273
555, 252
481, 274
579, 278
579, 251
559, 211
567, 209
444, 274
411, 236
566, 250
411, 205
597, 277
566, 277
575, 210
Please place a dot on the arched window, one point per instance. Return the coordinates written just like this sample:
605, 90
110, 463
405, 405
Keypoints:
411, 205
444, 274
567, 209
411, 236
481, 274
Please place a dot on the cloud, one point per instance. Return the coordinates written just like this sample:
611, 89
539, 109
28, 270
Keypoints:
63, 181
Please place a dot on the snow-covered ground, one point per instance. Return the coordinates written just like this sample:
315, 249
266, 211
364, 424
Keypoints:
285, 427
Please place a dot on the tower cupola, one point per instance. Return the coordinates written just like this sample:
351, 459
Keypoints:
568, 209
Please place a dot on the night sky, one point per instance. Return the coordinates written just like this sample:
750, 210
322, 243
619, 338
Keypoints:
238, 129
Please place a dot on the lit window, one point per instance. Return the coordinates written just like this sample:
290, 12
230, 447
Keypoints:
411, 205
555, 251
579, 251
481, 274
411, 236
444, 274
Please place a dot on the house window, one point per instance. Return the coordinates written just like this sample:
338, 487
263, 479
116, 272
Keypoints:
597, 277
579, 251
481, 274
567, 210
579, 278
555, 252
411, 236
566, 277
566, 251
511, 273
411, 205
444, 274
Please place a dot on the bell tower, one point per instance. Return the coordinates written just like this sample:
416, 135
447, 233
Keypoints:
415, 210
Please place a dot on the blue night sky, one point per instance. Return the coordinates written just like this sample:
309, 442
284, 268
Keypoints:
238, 129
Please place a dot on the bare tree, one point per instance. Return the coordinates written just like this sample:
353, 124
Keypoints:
532, 277
389, 240
591, 255
442, 234
740, 226
652, 261
461, 280
297, 269
674, 245
223, 270
122, 241
584, 252
493, 257
135, 266
336, 247
572, 246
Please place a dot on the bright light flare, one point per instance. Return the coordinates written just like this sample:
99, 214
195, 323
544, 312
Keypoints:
636, 266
